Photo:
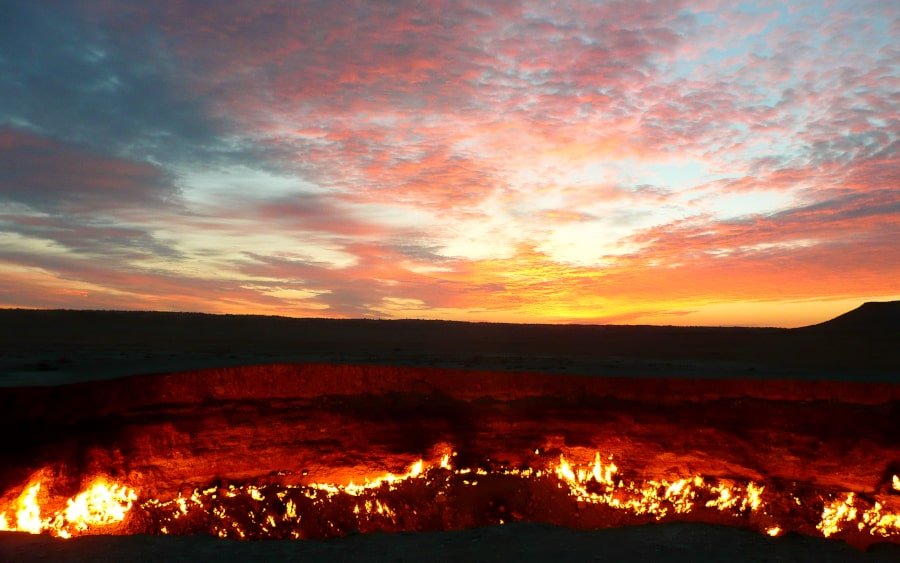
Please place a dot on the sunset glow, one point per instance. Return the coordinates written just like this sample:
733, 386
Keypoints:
646, 162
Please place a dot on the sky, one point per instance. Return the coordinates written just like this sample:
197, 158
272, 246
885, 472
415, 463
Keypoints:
629, 162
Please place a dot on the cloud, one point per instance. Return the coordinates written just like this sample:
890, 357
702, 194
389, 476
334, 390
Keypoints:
501, 160
833, 247
116, 91
50, 175
104, 240
381, 272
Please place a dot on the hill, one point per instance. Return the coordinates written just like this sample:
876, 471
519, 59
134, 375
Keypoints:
870, 316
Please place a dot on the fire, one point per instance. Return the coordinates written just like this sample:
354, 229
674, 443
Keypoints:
416, 500
28, 516
389, 479
652, 497
101, 504
752, 499
836, 514
879, 522
840, 514
896, 483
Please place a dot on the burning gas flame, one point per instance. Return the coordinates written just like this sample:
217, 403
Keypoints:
882, 523
597, 484
28, 516
836, 514
100, 505
842, 513
269, 510
389, 479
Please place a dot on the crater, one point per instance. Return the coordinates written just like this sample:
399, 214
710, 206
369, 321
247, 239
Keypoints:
322, 450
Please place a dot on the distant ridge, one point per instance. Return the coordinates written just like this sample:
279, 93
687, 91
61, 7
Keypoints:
47, 345
870, 316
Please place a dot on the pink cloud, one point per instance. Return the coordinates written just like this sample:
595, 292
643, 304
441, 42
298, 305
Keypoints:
48, 174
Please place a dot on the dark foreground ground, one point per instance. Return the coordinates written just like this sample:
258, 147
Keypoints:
675, 542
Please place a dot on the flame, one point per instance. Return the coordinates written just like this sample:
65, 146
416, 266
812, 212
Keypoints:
389, 479
203, 501
836, 514
724, 500
895, 484
753, 499
277, 510
564, 470
28, 516
653, 497
101, 504
290, 510
840, 513
883, 524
